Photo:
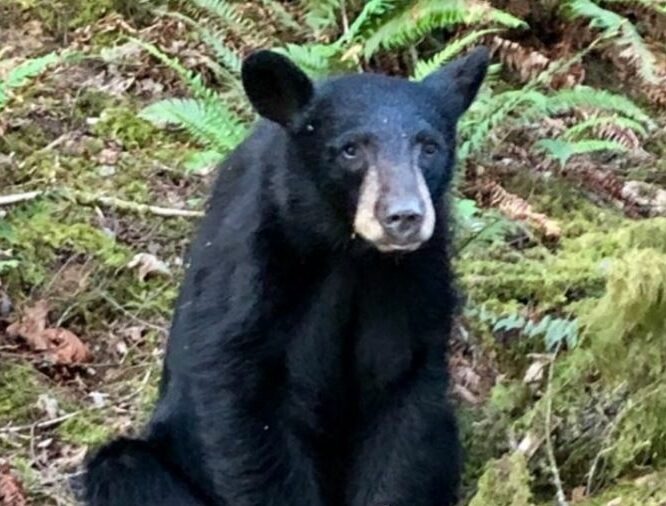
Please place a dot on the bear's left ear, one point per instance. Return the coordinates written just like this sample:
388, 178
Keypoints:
276, 87
459, 81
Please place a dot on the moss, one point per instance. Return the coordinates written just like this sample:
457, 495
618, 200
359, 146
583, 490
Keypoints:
648, 490
484, 429
578, 270
123, 125
565, 202
42, 231
87, 428
505, 482
20, 387
60, 16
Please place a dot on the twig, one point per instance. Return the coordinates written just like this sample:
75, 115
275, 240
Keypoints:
557, 481
41, 425
345, 17
114, 202
126, 205
6, 200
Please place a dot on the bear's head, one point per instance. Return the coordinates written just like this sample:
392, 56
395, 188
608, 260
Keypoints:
379, 150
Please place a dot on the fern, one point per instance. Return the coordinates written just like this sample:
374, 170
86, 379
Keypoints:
489, 112
562, 150
554, 331
208, 121
23, 73
228, 14
453, 49
622, 30
588, 98
317, 60
421, 17
587, 126
227, 56
321, 15
372, 9
193, 81
283, 15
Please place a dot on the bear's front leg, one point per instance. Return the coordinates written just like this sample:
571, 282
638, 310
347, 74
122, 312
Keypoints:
253, 455
410, 455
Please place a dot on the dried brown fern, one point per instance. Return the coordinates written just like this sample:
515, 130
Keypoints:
492, 194
529, 63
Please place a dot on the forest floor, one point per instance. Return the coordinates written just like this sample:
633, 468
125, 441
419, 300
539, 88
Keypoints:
88, 265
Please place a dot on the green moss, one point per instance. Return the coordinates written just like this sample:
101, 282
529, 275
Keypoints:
505, 482
577, 271
649, 490
19, 389
123, 125
44, 230
87, 428
484, 429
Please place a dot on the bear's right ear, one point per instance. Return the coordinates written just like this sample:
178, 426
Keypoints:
276, 87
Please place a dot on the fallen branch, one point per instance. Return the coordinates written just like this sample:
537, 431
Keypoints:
7, 200
85, 198
125, 205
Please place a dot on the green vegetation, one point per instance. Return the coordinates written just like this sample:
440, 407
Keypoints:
111, 107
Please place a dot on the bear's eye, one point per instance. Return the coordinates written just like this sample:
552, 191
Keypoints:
430, 148
350, 151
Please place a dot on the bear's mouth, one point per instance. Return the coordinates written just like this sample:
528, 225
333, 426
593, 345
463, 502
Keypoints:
387, 247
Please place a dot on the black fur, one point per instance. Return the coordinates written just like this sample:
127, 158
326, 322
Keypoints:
305, 367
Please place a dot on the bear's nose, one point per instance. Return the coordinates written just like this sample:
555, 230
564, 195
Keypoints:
402, 220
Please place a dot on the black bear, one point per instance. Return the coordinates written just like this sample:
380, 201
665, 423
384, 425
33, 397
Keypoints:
305, 365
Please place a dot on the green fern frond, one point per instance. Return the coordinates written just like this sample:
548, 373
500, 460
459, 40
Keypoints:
226, 13
562, 150
212, 123
225, 55
283, 15
321, 15
371, 9
487, 112
315, 59
589, 125
655, 5
452, 49
622, 30
421, 17
555, 331
23, 73
591, 98
193, 81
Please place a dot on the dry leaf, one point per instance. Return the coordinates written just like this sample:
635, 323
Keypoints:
11, 490
61, 345
516, 208
578, 494
148, 264
66, 347
31, 327
529, 445
535, 372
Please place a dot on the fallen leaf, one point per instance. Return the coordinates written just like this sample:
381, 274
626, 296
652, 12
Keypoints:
578, 494
60, 345
148, 264
535, 372
31, 327
67, 348
48, 405
11, 490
